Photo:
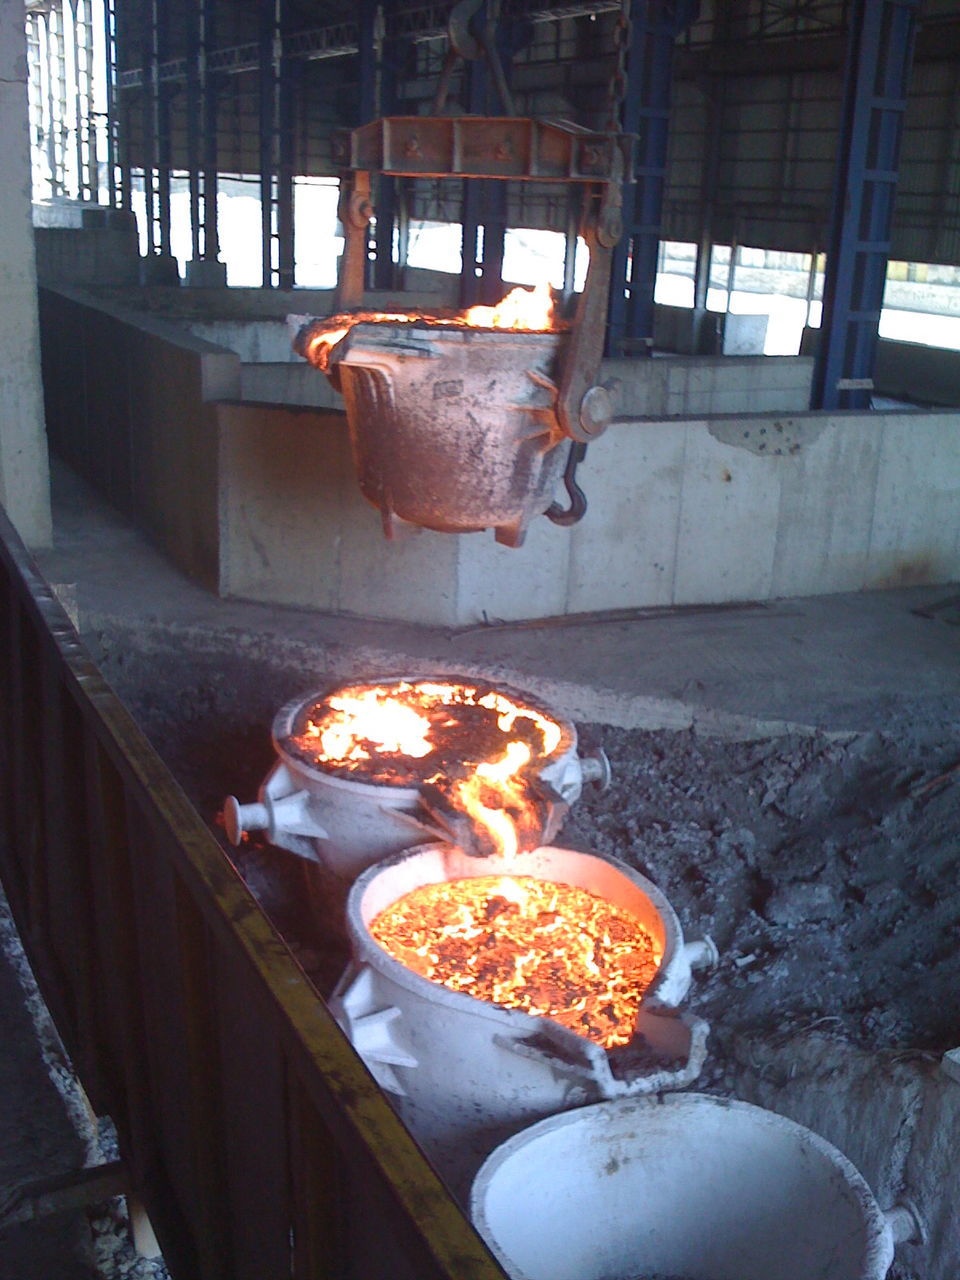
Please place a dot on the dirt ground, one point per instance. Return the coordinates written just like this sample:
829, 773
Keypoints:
825, 870
824, 866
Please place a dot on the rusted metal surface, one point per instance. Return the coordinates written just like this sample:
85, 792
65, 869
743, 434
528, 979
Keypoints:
252, 1132
453, 429
487, 454
503, 147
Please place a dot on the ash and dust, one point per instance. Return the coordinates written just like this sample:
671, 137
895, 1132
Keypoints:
826, 871
824, 867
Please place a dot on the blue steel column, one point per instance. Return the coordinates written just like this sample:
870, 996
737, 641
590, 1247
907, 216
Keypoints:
276, 147
202, 133
879, 58
378, 77
654, 25
477, 195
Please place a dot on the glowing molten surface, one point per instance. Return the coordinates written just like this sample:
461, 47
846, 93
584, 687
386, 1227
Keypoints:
475, 747
549, 949
528, 310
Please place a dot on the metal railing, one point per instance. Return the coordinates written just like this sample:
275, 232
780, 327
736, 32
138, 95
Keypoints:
257, 1140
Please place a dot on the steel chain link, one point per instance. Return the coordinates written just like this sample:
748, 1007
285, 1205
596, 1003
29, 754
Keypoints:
617, 88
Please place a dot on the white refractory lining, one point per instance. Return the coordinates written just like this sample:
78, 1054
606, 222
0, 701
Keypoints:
349, 824
466, 1072
686, 1185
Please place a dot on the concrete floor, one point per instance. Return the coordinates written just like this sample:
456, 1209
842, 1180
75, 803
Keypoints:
840, 663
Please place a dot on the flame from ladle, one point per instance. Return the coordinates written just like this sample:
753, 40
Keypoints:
528, 310
493, 789
481, 751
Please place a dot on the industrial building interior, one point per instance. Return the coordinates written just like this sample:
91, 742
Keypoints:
273, 441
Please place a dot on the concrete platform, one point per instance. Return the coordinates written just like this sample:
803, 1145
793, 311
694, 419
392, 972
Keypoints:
845, 662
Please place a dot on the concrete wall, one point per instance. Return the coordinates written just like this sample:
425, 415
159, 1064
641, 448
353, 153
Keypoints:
78, 244
260, 501
24, 479
683, 512
663, 387
924, 375
659, 388
129, 406
694, 385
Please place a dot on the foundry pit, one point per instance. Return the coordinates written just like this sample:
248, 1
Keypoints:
831, 1008
734, 831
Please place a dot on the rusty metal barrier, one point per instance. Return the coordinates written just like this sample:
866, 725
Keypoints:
254, 1135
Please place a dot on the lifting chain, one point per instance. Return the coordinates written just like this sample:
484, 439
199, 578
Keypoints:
617, 88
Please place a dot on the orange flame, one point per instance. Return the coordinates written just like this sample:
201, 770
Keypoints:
477, 749
319, 345
530, 310
550, 949
491, 791
389, 725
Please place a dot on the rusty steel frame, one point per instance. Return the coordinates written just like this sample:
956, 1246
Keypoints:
258, 1141
501, 147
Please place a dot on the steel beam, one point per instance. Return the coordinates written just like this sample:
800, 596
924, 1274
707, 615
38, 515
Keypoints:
481, 232
149, 121
387, 191
342, 39
194, 45
276, 147
118, 183
209, 85
499, 147
202, 134
879, 58
646, 113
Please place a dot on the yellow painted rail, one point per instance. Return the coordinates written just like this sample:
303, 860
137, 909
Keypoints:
259, 1143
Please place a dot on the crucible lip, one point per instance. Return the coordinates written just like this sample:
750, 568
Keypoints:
397, 330
285, 724
439, 863
623, 1120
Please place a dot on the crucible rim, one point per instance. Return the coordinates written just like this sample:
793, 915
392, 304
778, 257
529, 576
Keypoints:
284, 720
366, 950
877, 1243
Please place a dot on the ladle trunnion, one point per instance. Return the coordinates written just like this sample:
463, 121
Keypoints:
467, 428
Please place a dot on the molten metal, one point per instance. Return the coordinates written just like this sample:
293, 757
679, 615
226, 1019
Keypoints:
528, 310
475, 749
550, 949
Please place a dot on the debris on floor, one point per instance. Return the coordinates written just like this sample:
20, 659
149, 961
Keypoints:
48, 1128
